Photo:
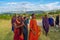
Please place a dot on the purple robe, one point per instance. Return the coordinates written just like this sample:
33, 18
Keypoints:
45, 24
13, 20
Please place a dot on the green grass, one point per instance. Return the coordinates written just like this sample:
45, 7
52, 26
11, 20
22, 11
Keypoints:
5, 30
9, 16
7, 34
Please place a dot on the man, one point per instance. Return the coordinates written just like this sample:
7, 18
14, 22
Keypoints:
25, 30
34, 31
12, 21
57, 21
45, 24
18, 29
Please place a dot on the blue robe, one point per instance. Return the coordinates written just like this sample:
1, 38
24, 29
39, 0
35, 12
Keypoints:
51, 21
25, 30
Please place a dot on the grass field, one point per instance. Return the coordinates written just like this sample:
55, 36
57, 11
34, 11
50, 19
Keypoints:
7, 34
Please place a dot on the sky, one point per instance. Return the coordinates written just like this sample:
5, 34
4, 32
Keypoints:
28, 5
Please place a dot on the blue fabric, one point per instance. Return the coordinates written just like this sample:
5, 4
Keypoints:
13, 20
26, 21
51, 21
25, 30
12, 28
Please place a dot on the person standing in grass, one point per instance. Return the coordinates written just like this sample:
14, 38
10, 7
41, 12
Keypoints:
45, 22
18, 29
25, 29
57, 21
12, 21
34, 31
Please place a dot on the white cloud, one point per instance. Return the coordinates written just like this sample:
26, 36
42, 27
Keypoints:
51, 6
11, 3
20, 6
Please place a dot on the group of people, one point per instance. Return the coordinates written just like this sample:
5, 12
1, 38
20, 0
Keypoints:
50, 22
20, 26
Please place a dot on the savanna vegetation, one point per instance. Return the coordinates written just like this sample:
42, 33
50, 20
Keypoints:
7, 34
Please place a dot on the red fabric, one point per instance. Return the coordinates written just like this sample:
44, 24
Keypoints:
17, 33
33, 26
21, 37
